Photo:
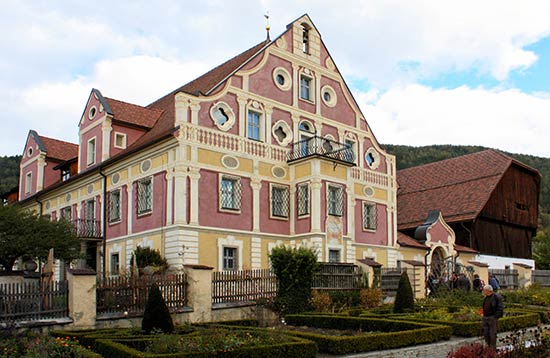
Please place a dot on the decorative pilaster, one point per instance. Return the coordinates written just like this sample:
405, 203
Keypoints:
106, 129
195, 107
268, 113
242, 115
194, 175
182, 109
130, 196
295, 86
316, 204
180, 194
256, 185
41, 163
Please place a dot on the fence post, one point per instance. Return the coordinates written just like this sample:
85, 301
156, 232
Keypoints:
199, 292
524, 274
82, 297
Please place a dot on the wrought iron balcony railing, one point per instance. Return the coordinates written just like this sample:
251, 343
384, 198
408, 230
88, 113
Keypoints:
321, 147
87, 228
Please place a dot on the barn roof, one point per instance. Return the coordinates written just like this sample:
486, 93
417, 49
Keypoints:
458, 187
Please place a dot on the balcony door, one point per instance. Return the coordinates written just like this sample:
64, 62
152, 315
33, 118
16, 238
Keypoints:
89, 223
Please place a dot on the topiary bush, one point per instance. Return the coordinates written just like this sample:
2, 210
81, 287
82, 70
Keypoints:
294, 269
147, 257
404, 299
156, 315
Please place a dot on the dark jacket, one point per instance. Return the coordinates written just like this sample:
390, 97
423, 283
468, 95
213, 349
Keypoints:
493, 306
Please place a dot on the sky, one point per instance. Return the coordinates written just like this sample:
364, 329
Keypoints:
423, 72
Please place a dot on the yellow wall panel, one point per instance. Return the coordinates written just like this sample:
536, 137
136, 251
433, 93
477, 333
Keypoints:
159, 161
335, 171
265, 170
245, 165
209, 157
302, 170
380, 194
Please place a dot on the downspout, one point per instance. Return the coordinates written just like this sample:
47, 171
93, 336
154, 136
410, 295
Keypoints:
104, 222
39, 261
426, 272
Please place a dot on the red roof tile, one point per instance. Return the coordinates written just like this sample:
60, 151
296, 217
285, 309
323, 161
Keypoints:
459, 187
58, 149
134, 114
406, 240
461, 248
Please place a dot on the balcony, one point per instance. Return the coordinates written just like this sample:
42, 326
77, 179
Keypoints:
321, 148
87, 229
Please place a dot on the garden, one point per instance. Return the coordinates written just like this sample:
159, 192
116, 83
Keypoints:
311, 322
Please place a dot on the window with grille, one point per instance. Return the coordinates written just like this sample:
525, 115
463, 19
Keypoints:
303, 199
369, 216
335, 200
279, 201
66, 213
230, 193
254, 125
114, 206
145, 196
333, 255
115, 264
305, 88
230, 258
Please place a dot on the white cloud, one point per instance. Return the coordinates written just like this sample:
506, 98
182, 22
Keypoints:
418, 115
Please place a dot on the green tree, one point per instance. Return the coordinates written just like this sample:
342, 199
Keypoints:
294, 269
541, 249
404, 299
27, 235
156, 315
146, 256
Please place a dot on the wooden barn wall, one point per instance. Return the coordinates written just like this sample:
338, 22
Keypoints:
501, 239
515, 199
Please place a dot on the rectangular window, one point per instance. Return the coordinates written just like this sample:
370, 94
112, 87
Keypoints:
303, 199
115, 264
230, 258
333, 255
28, 183
65, 174
66, 213
230, 193
335, 200
254, 125
114, 206
369, 216
279, 201
120, 140
91, 151
145, 196
305, 88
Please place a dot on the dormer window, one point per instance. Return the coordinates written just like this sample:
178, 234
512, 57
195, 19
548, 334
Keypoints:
65, 174
28, 183
120, 140
305, 38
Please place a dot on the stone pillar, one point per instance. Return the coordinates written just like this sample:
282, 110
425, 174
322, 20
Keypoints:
316, 204
256, 185
242, 115
199, 292
524, 274
82, 297
194, 174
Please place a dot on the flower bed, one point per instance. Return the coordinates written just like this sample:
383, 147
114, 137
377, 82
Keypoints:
395, 333
32, 345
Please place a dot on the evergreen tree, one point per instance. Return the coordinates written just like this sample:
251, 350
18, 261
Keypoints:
404, 299
156, 315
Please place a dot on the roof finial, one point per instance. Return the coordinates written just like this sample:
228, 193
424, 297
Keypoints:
267, 27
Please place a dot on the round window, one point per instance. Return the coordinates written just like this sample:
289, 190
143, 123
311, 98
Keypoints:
329, 96
29, 152
326, 96
92, 112
222, 115
282, 78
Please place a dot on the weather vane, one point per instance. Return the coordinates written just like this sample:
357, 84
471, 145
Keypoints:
267, 27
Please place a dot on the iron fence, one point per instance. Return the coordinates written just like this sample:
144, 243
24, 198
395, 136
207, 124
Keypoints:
318, 146
128, 295
31, 301
243, 285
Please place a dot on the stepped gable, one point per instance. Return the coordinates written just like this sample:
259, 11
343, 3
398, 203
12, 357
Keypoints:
459, 187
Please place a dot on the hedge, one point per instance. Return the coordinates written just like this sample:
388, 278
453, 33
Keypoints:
473, 329
397, 333
126, 348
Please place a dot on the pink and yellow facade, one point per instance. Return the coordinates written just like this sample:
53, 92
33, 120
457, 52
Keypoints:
269, 148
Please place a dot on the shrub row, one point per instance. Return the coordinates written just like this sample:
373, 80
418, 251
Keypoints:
473, 329
126, 348
396, 333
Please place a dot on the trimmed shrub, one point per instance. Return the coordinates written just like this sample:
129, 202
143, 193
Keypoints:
404, 299
294, 269
396, 333
156, 315
321, 301
147, 257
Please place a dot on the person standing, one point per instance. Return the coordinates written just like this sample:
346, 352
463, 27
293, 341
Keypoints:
493, 309
477, 283
493, 281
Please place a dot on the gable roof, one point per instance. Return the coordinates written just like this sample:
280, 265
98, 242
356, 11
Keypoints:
133, 114
458, 187
54, 148
406, 240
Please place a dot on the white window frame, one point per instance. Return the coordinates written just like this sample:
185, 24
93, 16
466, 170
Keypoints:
367, 215
334, 211
124, 140
112, 206
310, 88
237, 190
285, 209
234, 258
307, 206
230, 242
260, 125
148, 210
28, 182
91, 149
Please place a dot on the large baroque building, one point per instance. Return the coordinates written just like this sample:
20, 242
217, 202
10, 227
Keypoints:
268, 148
